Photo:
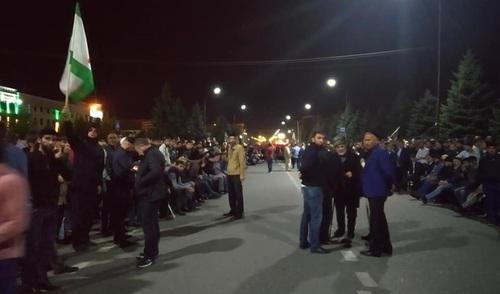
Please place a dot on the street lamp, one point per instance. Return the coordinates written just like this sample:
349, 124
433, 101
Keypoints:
331, 82
243, 107
283, 122
217, 90
307, 106
288, 117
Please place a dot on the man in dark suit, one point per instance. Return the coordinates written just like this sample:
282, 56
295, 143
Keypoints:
403, 165
378, 178
151, 189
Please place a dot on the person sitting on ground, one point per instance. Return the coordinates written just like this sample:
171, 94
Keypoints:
449, 179
182, 191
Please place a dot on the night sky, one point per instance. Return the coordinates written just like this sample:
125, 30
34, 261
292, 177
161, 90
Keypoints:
192, 45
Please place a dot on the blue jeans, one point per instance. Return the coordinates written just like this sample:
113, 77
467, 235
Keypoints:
461, 194
492, 192
439, 189
311, 217
269, 164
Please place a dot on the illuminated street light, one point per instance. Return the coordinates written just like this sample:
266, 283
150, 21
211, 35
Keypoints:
331, 83
307, 106
288, 117
243, 107
96, 111
289, 131
217, 90
283, 122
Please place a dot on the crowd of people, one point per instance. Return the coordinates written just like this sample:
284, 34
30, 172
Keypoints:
55, 188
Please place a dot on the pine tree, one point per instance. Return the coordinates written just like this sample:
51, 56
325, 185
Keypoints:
221, 129
468, 107
494, 124
194, 126
169, 115
398, 114
422, 116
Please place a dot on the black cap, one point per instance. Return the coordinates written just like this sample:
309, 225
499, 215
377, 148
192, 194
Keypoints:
374, 132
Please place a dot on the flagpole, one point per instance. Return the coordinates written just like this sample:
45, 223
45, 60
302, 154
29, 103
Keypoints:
66, 111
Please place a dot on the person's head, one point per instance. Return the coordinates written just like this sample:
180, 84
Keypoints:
457, 162
141, 145
127, 143
370, 140
340, 145
318, 138
448, 162
47, 140
491, 148
112, 139
92, 133
427, 144
231, 140
180, 165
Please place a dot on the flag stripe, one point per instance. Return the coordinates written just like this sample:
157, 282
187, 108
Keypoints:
85, 74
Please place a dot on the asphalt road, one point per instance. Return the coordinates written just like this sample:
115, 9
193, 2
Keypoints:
435, 251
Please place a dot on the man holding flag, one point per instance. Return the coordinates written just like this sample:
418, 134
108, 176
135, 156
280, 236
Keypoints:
77, 83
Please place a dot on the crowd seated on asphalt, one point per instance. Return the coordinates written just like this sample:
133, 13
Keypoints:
451, 173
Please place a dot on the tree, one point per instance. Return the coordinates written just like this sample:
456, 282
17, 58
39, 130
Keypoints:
169, 115
221, 129
467, 110
22, 123
422, 116
398, 114
495, 120
194, 126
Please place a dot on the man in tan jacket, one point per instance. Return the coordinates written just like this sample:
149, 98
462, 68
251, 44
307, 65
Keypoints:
235, 175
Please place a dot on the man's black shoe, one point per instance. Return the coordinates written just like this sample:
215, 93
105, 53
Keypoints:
350, 235
370, 253
305, 246
46, 287
237, 216
319, 250
338, 234
80, 247
125, 243
228, 214
144, 262
366, 237
91, 244
424, 199
65, 269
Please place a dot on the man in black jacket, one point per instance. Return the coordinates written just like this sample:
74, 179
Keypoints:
488, 175
151, 189
312, 173
44, 169
87, 178
123, 184
349, 191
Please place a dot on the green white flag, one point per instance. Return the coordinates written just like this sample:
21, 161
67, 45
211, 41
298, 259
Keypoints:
77, 81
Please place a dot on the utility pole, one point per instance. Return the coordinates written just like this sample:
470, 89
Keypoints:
438, 90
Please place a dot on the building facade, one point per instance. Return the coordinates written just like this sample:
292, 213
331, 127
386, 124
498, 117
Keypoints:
42, 112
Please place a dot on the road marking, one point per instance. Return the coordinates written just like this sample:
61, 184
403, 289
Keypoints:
366, 280
295, 182
363, 292
349, 255
106, 248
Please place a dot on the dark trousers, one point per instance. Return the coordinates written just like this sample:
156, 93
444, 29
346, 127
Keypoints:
83, 208
269, 164
492, 192
107, 199
327, 216
294, 161
40, 241
341, 207
121, 201
235, 194
312, 215
379, 230
150, 225
8, 274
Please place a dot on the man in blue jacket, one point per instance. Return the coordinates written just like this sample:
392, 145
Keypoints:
378, 180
